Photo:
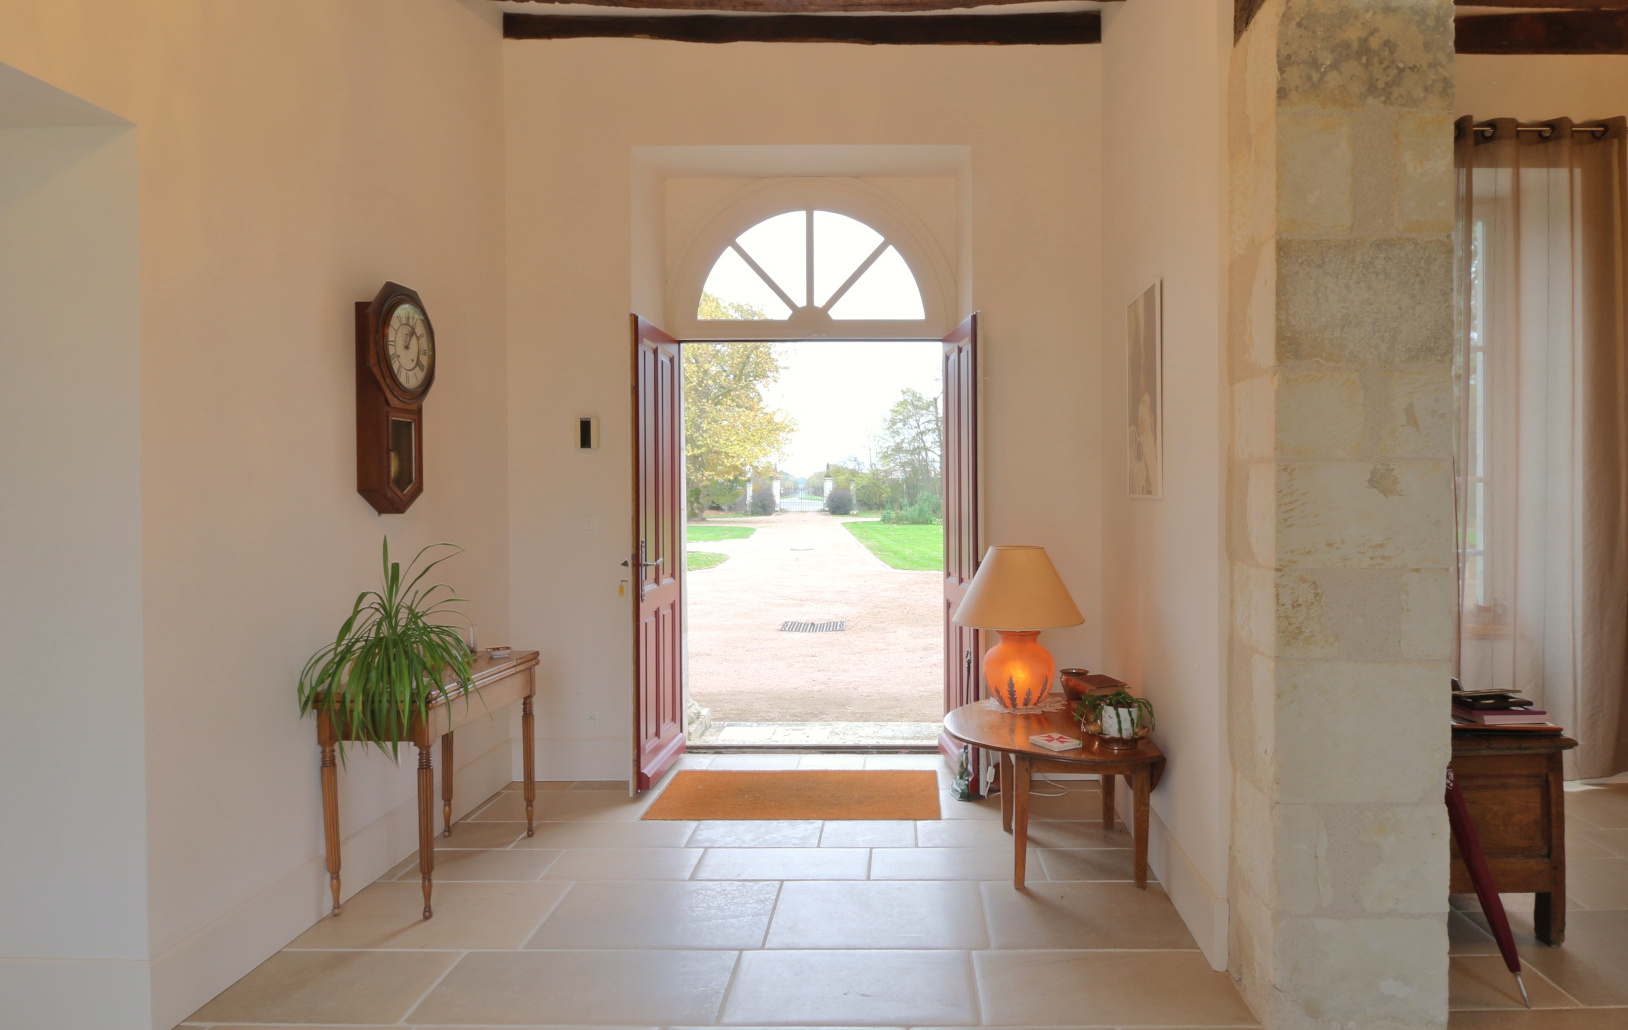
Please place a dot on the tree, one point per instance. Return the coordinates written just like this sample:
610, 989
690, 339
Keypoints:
913, 443
730, 435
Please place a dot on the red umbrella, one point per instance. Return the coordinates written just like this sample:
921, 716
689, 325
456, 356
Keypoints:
1469, 847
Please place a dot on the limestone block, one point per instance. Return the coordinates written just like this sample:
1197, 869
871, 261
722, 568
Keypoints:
1301, 629
1263, 343
1305, 883
1383, 973
1254, 841
1411, 866
1261, 68
1424, 158
1353, 614
1253, 607
1427, 615
1356, 514
1253, 418
1319, 414
1249, 943
1419, 415
1263, 689
1365, 301
1260, 511
1314, 173
1350, 53
1334, 720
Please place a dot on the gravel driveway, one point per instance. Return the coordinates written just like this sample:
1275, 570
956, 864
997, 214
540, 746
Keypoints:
886, 666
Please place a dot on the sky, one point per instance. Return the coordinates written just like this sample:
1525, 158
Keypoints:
839, 394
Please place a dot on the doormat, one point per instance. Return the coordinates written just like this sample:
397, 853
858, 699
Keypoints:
813, 627
798, 794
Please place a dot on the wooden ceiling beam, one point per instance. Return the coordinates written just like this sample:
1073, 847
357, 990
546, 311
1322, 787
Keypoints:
1051, 29
1550, 5
1553, 32
795, 6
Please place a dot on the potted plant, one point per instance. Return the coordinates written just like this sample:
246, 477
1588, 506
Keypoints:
1118, 719
391, 657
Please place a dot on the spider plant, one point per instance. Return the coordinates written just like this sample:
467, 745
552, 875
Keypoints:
390, 658
1090, 707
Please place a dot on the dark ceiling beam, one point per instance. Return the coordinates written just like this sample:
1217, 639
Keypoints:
988, 29
1553, 32
1550, 5
794, 6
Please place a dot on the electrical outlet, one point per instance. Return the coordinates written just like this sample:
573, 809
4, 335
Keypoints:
590, 525
593, 718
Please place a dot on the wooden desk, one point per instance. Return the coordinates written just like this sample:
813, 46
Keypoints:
497, 684
1512, 784
1009, 734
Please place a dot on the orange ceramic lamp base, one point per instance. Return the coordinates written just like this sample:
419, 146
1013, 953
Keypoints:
1018, 669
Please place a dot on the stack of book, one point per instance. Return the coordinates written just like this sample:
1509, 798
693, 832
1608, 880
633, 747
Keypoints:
1495, 708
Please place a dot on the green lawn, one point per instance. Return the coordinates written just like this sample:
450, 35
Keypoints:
694, 533
695, 561
903, 547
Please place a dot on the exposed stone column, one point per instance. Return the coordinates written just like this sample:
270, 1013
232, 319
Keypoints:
1340, 517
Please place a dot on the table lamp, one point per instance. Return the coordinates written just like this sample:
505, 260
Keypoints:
1017, 593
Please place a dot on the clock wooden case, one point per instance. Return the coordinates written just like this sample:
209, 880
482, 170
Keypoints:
395, 368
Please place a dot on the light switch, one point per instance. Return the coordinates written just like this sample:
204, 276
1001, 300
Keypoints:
590, 525
588, 433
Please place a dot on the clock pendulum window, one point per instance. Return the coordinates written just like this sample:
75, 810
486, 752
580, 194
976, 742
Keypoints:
395, 367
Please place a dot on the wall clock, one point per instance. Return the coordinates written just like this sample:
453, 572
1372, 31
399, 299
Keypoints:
395, 367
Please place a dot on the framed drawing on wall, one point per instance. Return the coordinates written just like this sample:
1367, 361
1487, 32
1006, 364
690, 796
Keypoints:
1144, 368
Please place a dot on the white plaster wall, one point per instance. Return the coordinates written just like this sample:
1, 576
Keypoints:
1533, 87
293, 156
1164, 561
73, 898
575, 109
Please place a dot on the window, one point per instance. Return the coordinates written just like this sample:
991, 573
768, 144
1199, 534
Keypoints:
814, 266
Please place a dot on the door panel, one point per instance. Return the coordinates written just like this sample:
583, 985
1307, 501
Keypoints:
963, 651
658, 545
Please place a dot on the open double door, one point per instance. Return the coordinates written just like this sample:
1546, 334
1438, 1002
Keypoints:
658, 540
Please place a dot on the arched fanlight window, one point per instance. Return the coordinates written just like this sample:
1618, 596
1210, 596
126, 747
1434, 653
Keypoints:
811, 267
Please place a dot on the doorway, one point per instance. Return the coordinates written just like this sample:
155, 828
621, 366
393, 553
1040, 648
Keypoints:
815, 543
659, 530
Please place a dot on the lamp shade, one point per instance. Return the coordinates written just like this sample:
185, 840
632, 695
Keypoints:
1017, 588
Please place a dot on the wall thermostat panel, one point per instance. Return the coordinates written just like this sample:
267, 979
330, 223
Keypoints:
588, 433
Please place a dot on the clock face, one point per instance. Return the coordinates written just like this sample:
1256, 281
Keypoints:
409, 346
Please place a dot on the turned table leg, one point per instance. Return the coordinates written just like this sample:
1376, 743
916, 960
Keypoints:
330, 817
1020, 819
528, 747
1143, 786
446, 784
426, 823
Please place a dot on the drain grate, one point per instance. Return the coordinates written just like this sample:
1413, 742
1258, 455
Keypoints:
813, 627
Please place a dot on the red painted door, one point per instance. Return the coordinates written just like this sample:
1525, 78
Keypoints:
658, 487
963, 655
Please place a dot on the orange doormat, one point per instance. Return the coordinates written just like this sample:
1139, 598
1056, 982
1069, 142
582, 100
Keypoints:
798, 794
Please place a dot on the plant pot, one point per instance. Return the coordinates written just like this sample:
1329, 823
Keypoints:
1119, 729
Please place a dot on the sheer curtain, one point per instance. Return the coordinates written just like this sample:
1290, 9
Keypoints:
1543, 447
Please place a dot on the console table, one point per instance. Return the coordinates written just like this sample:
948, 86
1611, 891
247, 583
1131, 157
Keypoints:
493, 685
1512, 785
1009, 735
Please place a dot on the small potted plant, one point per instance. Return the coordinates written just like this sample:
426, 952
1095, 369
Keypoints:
390, 659
1118, 720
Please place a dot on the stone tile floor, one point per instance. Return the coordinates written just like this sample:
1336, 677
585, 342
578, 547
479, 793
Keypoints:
605, 920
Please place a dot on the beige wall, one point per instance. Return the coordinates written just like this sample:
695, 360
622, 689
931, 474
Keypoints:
292, 157
1533, 87
1164, 563
576, 109
70, 564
